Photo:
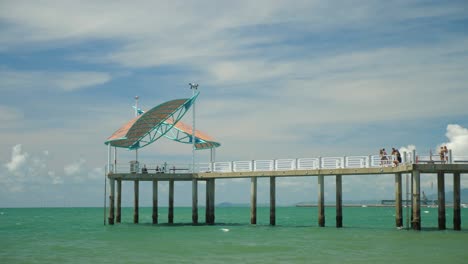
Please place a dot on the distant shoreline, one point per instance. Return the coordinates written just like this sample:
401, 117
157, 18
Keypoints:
369, 205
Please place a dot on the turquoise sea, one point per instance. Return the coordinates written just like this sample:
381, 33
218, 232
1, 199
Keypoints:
77, 235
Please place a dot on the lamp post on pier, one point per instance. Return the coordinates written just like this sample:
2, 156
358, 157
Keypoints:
194, 87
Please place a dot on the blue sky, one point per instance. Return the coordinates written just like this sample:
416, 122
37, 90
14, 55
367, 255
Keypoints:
278, 79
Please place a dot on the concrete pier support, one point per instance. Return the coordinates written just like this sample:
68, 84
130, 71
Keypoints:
195, 201
398, 201
111, 202
253, 200
456, 201
272, 201
136, 202
207, 204
155, 202
210, 202
212, 214
321, 202
170, 215
339, 202
441, 199
119, 201
416, 222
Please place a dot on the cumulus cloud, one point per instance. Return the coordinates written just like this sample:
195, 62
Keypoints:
27, 168
74, 168
457, 140
25, 171
79, 171
18, 159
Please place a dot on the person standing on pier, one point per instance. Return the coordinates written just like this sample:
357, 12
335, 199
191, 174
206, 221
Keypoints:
383, 157
396, 157
442, 155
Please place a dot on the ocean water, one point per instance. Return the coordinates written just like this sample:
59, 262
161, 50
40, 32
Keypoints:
78, 235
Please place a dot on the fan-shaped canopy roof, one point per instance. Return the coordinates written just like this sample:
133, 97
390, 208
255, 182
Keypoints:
162, 120
150, 126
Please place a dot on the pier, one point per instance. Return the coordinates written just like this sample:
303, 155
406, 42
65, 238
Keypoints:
318, 167
164, 120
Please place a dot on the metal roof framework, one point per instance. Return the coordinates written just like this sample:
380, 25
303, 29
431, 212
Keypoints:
151, 125
162, 120
182, 133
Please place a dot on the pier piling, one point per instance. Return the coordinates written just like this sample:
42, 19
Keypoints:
207, 204
398, 204
111, 201
456, 201
441, 199
195, 201
136, 202
119, 201
253, 200
416, 223
210, 205
210, 202
155, 202
339, 202
170, 214
272, 201
321, 202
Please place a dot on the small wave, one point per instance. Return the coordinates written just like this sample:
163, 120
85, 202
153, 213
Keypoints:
426, 212
224, 229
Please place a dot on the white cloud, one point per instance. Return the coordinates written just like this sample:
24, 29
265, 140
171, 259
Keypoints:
74, 168
96, 173
457, 140
18, 159
25, 171
408, 149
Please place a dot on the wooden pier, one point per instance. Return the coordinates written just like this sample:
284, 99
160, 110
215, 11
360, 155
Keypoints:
339, 173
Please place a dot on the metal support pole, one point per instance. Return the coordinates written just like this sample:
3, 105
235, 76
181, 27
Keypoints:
193, 87
115, 160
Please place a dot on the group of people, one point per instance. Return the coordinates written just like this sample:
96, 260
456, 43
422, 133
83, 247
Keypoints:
384, 157
443, 154
158, 169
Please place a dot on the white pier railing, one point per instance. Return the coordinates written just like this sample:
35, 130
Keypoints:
370, 161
